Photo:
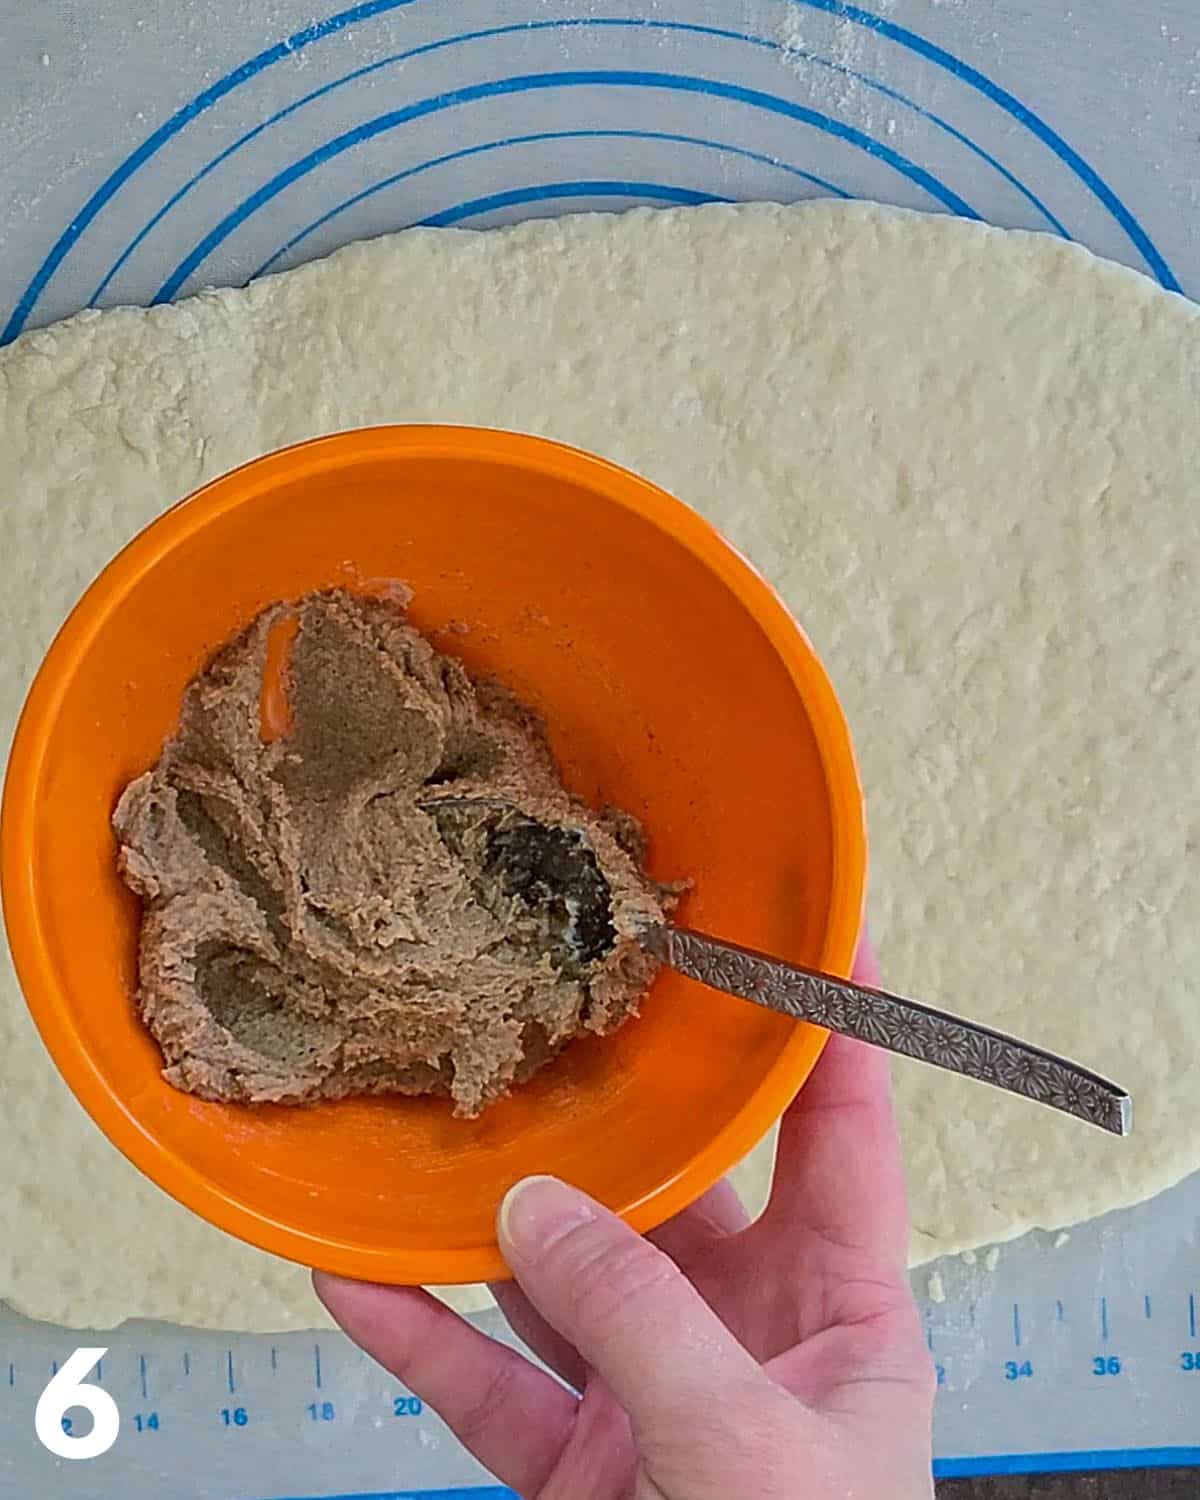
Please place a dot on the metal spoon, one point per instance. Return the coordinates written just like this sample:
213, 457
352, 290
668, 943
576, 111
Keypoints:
898, 1025
556, 866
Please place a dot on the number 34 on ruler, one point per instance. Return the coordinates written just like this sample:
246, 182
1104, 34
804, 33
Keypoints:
66, 1390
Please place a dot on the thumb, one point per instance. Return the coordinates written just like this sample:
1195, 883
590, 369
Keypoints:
628, 1309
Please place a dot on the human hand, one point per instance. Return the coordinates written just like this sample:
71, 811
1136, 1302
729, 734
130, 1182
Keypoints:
780, 1360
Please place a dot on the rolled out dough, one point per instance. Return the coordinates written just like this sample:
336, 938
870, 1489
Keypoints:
968, 460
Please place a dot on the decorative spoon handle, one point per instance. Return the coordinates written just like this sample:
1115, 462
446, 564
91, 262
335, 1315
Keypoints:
902, 1026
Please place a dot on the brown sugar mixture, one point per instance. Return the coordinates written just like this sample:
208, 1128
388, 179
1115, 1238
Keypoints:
395, 895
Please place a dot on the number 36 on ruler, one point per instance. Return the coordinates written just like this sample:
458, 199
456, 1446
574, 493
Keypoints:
66, 1390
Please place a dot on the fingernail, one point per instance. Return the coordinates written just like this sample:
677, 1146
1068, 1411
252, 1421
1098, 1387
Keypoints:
537, 1212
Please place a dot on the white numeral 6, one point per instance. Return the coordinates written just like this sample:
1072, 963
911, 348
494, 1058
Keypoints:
66, 1390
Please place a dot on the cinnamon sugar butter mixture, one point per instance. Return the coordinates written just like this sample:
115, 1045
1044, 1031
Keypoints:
397, 895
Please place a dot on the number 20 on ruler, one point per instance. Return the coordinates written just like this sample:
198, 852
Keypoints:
66, 1390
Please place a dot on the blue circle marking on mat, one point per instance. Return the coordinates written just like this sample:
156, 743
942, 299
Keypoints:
540, 193
372, 8
874, 83
1071, 158
522, 140
170, 127
574, 23
522, 83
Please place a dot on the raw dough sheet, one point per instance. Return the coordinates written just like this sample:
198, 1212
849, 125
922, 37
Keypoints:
967, 458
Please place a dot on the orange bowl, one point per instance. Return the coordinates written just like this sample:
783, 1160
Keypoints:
674, 684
